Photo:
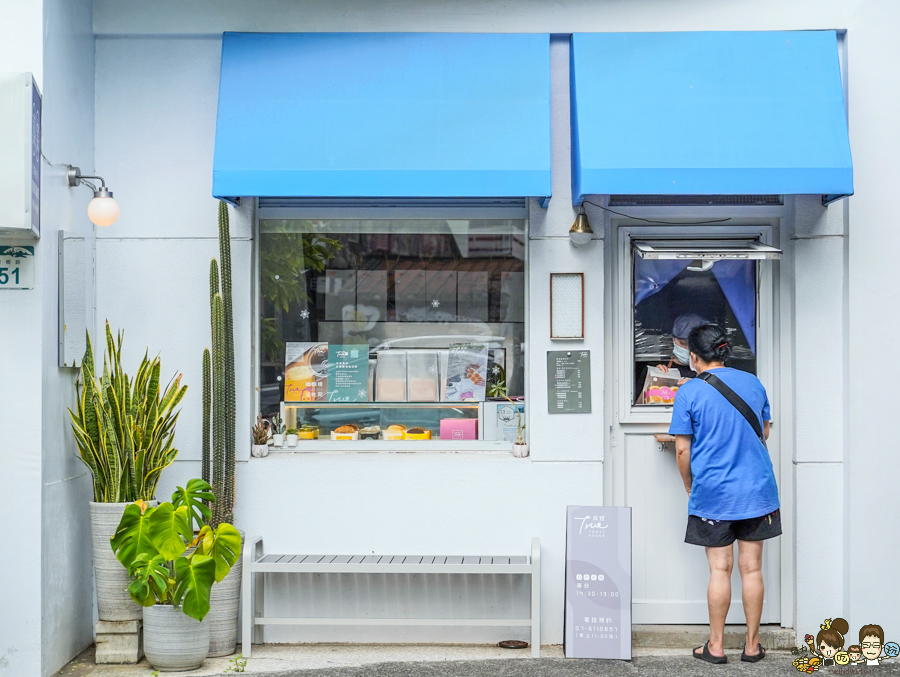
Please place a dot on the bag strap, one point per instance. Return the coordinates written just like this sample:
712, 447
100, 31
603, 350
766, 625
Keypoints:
736, 401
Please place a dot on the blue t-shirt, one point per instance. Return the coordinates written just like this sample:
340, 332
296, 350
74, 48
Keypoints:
732, 471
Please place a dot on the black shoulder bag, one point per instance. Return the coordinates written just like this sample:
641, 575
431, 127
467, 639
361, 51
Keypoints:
736, 401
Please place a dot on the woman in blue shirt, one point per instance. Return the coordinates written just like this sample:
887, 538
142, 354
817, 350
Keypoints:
729, 478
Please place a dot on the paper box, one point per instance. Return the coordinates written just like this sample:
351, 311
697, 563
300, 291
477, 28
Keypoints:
459, 428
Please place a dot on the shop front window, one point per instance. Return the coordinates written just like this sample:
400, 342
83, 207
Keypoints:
674, 292
390, 328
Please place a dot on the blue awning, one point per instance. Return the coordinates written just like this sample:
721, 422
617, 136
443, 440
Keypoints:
720, 113
383, 115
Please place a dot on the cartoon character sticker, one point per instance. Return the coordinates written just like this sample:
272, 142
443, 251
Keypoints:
827, 647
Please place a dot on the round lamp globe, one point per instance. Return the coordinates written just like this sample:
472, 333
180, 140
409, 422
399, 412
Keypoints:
103, 211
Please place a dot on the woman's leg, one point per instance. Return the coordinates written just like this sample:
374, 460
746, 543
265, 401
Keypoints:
752, 589
718, 595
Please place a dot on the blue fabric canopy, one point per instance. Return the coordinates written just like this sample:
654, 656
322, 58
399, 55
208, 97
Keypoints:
383, 115
718, 113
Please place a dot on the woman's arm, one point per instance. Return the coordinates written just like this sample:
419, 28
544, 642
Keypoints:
766, 429
683, 457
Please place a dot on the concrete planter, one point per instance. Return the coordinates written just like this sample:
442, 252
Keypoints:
224, 604
174, 641
110, 577
520, 450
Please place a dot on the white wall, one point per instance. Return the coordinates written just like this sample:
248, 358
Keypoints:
68, 119
20, 408
46, 615
156, 103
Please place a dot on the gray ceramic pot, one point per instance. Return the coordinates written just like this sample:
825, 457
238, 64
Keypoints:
224, 604
110, 577
173, 640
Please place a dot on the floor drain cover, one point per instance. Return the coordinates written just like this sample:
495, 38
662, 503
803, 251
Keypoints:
513, 644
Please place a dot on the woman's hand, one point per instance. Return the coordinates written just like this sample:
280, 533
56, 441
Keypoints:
663, 368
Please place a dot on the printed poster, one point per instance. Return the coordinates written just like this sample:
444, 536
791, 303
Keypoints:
306, 372
467, 372
348, 373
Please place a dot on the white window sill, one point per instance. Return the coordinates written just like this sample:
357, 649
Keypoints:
393, 447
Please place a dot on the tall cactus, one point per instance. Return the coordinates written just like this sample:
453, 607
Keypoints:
228, 326
219, 409
207, 415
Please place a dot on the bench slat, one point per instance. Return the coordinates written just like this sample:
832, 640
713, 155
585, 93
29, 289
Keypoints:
357, 559
342, 559
518, 560
471, 560
454, 560
371, 559
413, 559
500, 560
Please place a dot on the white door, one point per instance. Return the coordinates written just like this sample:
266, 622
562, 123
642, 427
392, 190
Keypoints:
670, 577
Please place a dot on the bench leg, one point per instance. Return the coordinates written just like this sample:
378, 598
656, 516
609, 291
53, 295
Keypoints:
535, 597
247, 607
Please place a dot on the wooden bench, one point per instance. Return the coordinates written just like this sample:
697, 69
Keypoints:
255, 562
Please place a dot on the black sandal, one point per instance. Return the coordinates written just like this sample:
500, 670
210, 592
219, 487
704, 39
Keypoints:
708, 657
753, 659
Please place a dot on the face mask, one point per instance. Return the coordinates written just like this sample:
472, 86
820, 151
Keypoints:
683, 355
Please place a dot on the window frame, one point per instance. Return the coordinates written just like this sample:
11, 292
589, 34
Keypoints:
623, 303
356, 209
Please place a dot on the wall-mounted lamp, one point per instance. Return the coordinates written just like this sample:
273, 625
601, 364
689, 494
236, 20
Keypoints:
103, 209
581, 232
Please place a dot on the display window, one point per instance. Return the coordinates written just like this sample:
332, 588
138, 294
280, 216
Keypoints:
678, 286
391, 329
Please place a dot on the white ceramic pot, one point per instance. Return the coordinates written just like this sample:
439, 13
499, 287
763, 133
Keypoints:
224, 602
173, 640
278, 440
520, 450
292, 440
110, 577
259, 450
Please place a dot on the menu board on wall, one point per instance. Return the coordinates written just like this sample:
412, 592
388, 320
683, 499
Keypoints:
598, 582
569, 381
348, 373
306, 372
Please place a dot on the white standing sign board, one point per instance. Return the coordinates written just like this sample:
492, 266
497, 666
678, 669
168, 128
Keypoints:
598, 582
16, 267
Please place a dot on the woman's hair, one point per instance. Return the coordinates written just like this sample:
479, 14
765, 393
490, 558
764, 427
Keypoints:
834, 635
871, 631
709, 343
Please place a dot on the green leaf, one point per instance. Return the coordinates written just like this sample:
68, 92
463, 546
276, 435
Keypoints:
132, 537
194, 578
223, 545
169, 530
193, 498
151, 579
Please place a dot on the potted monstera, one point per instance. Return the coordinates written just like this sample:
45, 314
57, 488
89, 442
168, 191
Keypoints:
173, 571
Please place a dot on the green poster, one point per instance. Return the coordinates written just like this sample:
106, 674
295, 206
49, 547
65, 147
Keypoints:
348, 373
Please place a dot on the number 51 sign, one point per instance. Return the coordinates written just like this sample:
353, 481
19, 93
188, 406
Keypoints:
16, 267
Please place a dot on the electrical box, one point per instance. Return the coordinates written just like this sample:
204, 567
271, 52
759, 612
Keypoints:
20, 155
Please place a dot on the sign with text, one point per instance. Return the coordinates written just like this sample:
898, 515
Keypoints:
16, 267
348, 373
598, 582
569, 381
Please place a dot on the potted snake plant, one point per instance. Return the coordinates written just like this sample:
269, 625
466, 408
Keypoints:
124, 428
172, 573
520, 446
260, 436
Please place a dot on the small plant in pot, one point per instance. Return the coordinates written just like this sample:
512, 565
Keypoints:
292, 437
260, 435
172, 574
520, 446
277, 431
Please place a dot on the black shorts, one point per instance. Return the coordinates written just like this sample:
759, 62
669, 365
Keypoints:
718, 533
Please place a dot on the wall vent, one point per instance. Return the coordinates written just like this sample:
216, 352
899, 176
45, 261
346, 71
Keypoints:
694, 200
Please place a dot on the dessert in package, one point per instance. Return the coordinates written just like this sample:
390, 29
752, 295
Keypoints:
467, 372
659, 386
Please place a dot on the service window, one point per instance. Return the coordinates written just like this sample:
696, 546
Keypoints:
390, 328
679, 285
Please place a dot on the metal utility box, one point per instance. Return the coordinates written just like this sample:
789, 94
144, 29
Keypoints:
20, 155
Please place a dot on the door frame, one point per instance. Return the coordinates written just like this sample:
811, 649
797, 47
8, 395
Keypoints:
774, 225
